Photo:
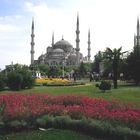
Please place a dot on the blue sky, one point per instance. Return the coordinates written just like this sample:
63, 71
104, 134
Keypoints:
112, 24
8, 7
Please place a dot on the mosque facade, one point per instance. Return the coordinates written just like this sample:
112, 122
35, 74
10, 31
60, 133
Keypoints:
62, 52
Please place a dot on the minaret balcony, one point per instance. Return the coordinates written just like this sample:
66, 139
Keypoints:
32, 35
32, 43
77, 40
32, 51
77, 31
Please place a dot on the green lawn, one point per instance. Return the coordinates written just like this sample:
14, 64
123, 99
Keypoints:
53, 134
123, 93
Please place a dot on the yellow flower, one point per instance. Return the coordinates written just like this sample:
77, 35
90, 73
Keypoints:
52, 80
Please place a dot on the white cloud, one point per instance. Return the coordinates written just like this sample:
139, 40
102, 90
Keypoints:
112, 24
63, 23
13, 40
7, 28
48, 20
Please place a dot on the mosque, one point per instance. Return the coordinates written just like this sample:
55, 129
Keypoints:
62, 52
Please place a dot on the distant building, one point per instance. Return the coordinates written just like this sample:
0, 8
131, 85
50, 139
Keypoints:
61, 52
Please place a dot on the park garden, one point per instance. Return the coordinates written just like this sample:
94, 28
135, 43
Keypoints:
101, 107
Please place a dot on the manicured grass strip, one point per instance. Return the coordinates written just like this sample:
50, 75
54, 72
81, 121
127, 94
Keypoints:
123, 93
53, 134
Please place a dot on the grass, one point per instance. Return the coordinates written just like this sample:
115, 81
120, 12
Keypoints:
123, 93
53, 134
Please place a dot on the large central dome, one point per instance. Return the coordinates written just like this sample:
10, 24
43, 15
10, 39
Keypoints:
63, 44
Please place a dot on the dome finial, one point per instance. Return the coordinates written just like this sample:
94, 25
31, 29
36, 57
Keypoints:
62, 37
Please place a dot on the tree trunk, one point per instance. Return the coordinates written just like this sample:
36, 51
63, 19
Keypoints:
115, 74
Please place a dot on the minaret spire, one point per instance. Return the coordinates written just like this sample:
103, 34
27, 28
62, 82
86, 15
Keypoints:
52, 39
89, 55
138, 27
62, 37
77, 40
138, 34
32, 42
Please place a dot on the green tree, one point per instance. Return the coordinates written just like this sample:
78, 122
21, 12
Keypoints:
14, 80
44, 69
97, 59
28, 81
2, 80
82, 70
133, 65
114, 57
88, 67
19, 77
55, 71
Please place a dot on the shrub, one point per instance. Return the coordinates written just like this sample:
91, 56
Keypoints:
104, 85
15, 124
14, 80
95, 128
20, 77
2, 81
45, 121
28, 81
2, 124
41, 122
61, 122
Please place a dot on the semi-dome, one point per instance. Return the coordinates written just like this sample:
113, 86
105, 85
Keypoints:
72, 56
58, 50
63, 44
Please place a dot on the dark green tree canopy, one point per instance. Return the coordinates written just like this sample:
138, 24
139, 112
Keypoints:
114, 56
97, 59
133, 65
18, 77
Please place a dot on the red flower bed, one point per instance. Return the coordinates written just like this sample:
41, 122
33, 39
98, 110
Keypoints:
13, 106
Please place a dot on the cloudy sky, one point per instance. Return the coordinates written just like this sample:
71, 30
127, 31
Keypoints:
112, 24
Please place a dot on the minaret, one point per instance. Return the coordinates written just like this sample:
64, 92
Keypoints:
138, 26
32, 43
62, 37
77, 40
52, 39
89, 55
138, 33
